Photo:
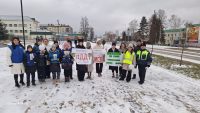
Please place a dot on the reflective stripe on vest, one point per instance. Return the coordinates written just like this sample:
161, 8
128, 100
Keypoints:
128, 58
142, 55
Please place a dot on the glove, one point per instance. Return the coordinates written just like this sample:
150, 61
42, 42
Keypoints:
10, 65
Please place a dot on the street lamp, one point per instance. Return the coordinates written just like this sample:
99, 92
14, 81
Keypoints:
22, 22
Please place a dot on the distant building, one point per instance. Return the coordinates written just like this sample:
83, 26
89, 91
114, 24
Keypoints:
14, 25
189, 36
174, 36
58, 29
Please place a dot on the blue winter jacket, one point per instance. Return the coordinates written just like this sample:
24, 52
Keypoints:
54, 56
68, 59
30, 62
36, 49
17, 54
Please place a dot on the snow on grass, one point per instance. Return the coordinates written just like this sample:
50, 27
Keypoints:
164, 91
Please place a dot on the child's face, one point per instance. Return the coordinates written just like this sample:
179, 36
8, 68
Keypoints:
16, 42
30, 49
53, 48
130, 49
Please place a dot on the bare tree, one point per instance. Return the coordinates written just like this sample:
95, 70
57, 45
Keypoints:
175, 22
162, 16
133, 26
84, 27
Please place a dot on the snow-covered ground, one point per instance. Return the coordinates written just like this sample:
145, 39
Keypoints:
164, 91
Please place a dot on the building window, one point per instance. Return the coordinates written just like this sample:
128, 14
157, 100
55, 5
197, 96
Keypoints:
11, 31
16, 31
25, 31
20, 25
5, 25
15, 25
25, 25
172, 35
10, 25
21, 31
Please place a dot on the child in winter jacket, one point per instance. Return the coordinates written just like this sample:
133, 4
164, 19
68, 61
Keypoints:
41, 63
67, 61
128, 63
54, 58
113, 50
81, 68
90, 66
30, 65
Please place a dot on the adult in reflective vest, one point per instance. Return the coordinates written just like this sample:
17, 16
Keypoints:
128, 59
143, 60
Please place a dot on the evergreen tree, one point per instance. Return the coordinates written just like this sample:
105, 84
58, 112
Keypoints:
3, 32
143, 30
156, 35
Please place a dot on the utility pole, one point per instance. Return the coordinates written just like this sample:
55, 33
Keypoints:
58, 29
22, 15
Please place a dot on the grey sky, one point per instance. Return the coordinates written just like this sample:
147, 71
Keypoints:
103, 15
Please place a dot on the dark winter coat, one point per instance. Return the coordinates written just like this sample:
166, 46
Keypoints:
36, 49
143, 58
54, 58
30, 63
67, 60
41, 60
81, 67
113, 67
137, 48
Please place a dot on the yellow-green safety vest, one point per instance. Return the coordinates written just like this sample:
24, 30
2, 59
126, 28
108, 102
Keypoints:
128, 58
142, 55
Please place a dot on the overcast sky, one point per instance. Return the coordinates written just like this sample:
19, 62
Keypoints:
103, 15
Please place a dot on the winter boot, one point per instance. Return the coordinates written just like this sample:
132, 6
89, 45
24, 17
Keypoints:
67, 79
134, 76
28, 84
128, 78
123, 76
113, 75
117, 76
16, 81
22, 79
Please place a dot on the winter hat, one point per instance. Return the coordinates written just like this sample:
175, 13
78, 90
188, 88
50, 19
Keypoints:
55, 41
98, 41
88, 45
130, 45
80, 40
29, 46
143, 44
41, 47
139, 40
66, 45
113, 43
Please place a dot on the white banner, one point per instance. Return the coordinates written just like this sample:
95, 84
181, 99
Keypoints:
99, 55
82, 56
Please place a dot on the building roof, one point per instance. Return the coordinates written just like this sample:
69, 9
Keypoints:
16, 18
54, 25
41, 33
174, 30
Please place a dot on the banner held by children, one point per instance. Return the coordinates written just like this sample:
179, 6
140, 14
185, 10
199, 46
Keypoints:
113, 58
99, 55
82, 56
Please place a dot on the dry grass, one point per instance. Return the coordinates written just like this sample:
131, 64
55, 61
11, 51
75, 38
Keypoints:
189, 69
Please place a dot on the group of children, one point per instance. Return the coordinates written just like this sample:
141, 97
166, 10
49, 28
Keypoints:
47, 59
132, 57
